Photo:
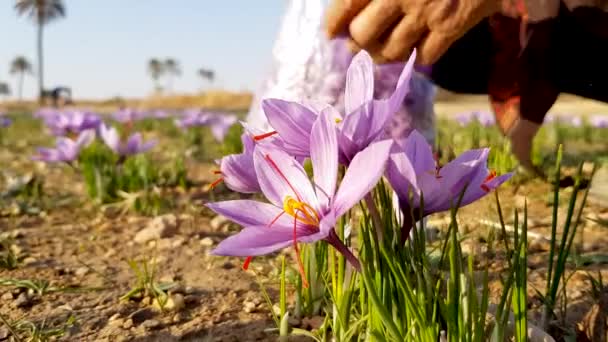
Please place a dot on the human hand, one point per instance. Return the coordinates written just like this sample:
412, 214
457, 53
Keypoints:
390, 29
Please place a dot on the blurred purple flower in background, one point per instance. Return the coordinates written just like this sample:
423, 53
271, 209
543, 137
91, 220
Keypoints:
5, 121
599, 121
129, 115
191, 118
218, 122
70, 122
484, 118
159, 114
567, 119
66, 149
134, 144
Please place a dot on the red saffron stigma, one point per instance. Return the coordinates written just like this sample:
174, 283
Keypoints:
276, 219
490, 176
215, 183
276, 167
297, 256
264, 136
246, 263
217, 172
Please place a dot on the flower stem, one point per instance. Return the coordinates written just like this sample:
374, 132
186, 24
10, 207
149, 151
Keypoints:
410, 217
335, 241
373, 211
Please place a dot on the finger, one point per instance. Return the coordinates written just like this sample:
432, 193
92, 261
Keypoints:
353, 46
374, 50
433, 46
403, 38
340, 13
374, 20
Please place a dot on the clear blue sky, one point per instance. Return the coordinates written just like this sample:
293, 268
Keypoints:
101, 48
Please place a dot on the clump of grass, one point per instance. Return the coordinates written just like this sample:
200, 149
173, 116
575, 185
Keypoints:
25, 330
38, 286
9, 260
145, 284
133, 183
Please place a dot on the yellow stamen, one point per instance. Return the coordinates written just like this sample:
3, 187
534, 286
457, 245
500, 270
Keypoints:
303, 212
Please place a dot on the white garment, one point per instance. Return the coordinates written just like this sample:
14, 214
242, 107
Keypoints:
308, 67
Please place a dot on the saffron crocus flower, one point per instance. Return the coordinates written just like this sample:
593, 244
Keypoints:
237, 170
66, 150
191, 118
133, 145
220, 123
128, 115
365, 119
599, 121
301, 210
5, 121
71, 122
426, 188
484, 118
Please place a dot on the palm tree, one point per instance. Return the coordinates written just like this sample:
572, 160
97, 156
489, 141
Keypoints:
5, 89
42, 12
207, 74
173, 70
20, 66
156, 69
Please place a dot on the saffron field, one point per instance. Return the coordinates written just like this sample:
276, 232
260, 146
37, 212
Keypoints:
109, 231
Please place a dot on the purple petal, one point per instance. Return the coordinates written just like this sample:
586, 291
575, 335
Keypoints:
401, 173
239, 174
109, 135
47, 155
461, 171
85, 138
359, 82
260, 240
281, 176
251, 213
403, 85
133, 144
324, 156
292, 121
419, 152
362, 175
478, 190
146, 146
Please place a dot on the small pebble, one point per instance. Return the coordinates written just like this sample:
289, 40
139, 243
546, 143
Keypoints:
178, 242
206, 242
180, 317
141, 315
151, 324
7, 296
4, 333
191, 299
110, 253
29, 261
128, 324
114, 317
218, 222
22, 300
249, 307
81, 271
